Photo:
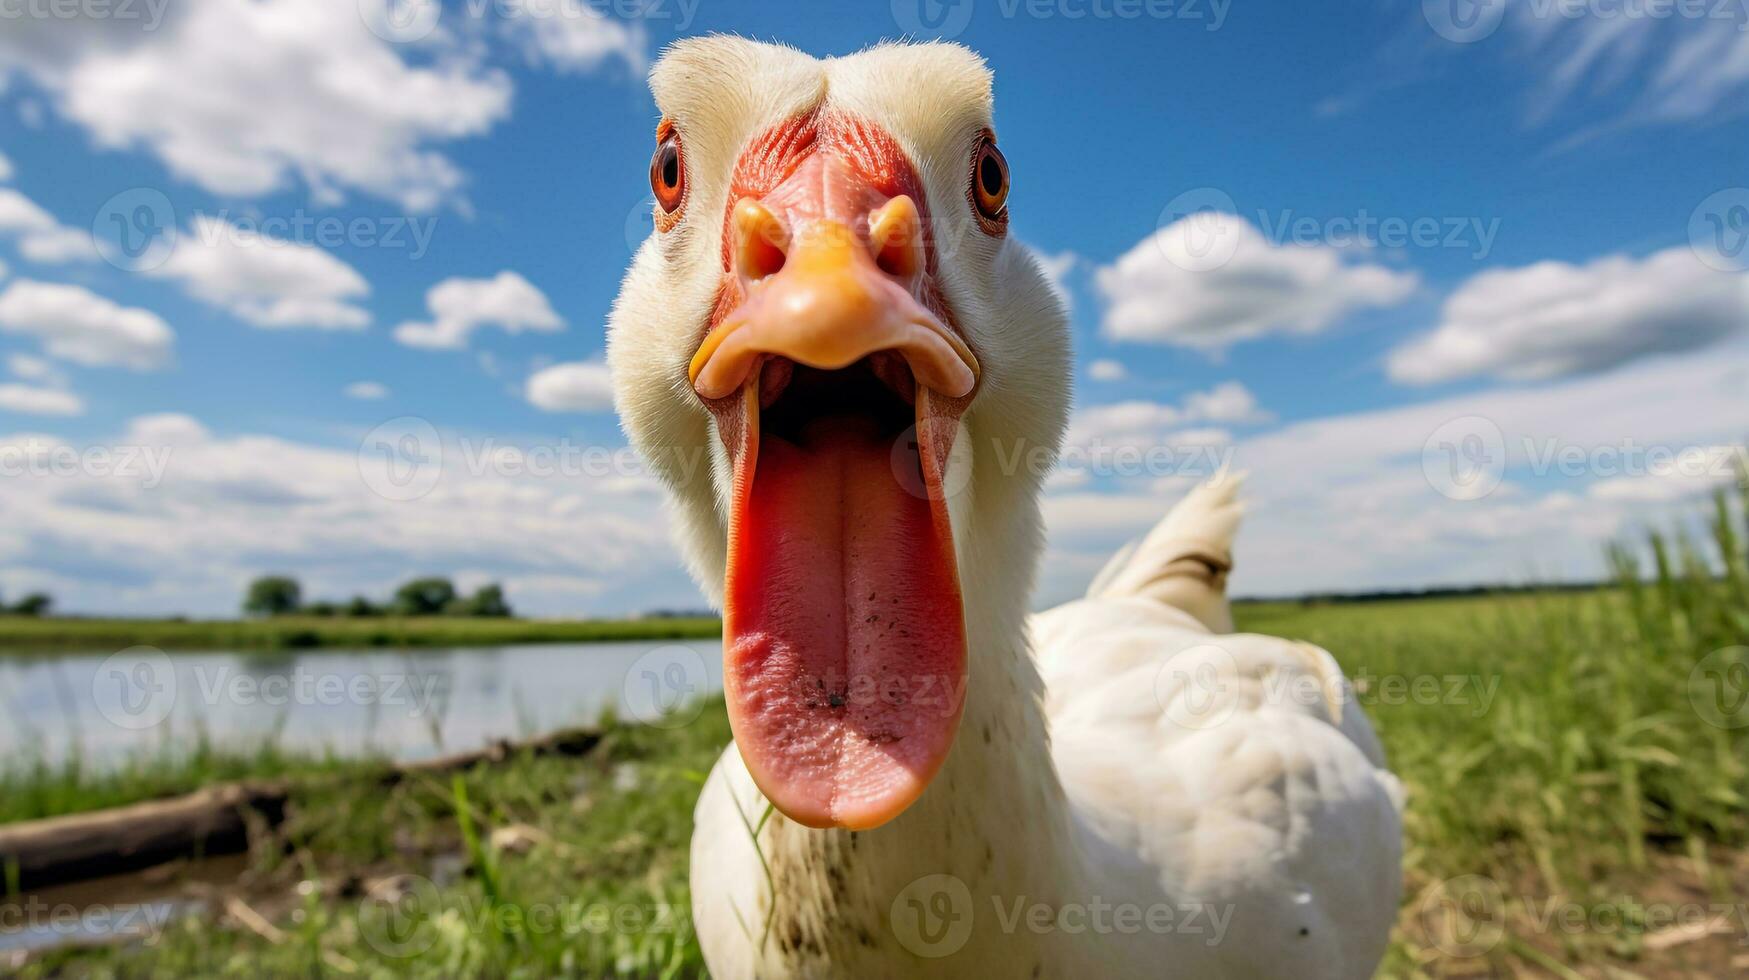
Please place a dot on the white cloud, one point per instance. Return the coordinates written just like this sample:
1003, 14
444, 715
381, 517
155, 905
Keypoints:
367, 390
1170, 288
243, 96
40, 237
1552, 318
1647, 69
1139, 421
5, 167
581, 386
166, 429
1229, 401
1346, 502
459, 306
573, 37
1106, 369
228, 507
264, 281
35, 369
75, 324
29, 400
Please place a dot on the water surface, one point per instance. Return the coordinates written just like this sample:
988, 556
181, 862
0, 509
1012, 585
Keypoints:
403, 704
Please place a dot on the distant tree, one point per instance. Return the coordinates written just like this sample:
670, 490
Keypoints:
489, 602
424, 597
273, 595
361, 608
35, 604
323, 608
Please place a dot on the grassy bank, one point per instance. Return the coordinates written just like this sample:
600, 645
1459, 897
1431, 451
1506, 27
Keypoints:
537, 866
19, 633
1577, 768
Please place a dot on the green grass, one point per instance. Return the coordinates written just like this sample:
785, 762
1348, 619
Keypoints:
1556, 746
38, 789
28, 634
603, 893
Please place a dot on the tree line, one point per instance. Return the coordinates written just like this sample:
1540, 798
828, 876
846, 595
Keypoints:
34, 604
282, 595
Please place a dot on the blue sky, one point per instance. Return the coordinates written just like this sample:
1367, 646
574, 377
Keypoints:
1591, 136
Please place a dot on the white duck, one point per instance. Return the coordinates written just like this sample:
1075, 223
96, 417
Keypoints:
1117, 788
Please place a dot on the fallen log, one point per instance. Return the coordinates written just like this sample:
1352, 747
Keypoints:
210, 822
106, 842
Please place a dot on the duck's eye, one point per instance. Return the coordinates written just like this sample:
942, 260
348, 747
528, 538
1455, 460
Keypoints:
990, 182
668, 175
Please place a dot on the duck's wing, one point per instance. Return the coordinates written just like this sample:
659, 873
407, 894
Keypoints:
1233, 773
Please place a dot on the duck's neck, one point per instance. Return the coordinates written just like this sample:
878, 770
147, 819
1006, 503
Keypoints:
994, 818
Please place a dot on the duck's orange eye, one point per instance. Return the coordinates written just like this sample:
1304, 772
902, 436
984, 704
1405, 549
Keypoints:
668, 175
990, 182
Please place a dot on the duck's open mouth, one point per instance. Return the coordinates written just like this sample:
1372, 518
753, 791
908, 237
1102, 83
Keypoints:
844, 636
844, 641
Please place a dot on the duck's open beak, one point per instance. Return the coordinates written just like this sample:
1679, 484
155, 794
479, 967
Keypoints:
837, 391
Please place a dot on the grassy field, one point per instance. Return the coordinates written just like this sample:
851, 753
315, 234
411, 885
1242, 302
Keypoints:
28, 634
1577, 768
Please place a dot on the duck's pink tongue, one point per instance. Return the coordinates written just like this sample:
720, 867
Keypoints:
844, 640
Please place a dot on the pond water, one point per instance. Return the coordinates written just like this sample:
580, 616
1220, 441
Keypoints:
407, 705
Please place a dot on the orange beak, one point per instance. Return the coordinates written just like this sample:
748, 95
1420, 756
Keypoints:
826, 300
844, 653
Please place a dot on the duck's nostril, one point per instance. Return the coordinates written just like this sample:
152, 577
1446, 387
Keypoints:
761, 241
895, 232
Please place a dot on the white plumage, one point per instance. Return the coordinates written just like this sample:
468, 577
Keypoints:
1135, 791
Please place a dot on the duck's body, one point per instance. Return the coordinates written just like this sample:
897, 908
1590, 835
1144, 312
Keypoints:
1179, 803
924, 783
